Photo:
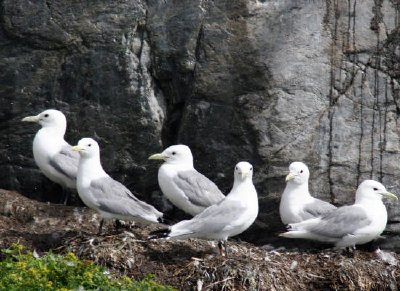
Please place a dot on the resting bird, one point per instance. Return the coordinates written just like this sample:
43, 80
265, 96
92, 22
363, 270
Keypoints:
230, 217
186, 188
348, 226
102, 193
52, 154
296, 202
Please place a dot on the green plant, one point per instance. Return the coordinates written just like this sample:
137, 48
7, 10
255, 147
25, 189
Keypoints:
22, 270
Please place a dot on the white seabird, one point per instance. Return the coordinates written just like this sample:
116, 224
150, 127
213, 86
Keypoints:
52, 154
230, 217
297, 204
186, 188
348, 226
107, 196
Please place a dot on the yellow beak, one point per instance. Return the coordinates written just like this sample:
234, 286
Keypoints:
157, 157
76, 148
289, 177
390, 195
31, 119
244, 174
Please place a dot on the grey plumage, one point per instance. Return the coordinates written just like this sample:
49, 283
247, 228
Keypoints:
199, 190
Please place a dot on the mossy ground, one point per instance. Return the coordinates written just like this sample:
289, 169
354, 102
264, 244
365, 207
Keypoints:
190, 264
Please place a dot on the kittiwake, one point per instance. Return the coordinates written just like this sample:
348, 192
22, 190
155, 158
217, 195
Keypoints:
186, 188
52, 154
297, 204
107, 196
229, 217
348, 226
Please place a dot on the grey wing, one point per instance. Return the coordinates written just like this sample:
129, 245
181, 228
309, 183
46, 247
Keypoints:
214, 219
199, 189
124, 207
108, 189
343, 221
66, 162
317, 208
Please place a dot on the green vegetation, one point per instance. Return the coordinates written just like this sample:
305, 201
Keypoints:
22, 270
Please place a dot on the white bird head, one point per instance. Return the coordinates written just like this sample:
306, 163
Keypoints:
49, 118
298, 173
370, 189
243, 171
176, 154
87, 148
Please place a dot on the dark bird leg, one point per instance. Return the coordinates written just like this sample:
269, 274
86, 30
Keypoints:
117, 225
66, 196
222, 246
100, 226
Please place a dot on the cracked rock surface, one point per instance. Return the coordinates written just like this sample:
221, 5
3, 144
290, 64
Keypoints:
265, 81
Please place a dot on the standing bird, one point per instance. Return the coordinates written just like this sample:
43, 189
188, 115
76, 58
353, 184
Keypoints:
52, 154
102, 193
179, 181
230, 217
348, 226
296, 202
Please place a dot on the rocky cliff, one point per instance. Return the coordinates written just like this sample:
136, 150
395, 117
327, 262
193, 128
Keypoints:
265, 81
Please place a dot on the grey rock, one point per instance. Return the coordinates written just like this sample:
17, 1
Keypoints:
270, 82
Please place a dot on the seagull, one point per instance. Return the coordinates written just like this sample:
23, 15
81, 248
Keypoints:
52, 154
229, 217
348, 226
107, 196
296, 202
186, 188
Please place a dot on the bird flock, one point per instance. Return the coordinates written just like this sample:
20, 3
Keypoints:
215, 216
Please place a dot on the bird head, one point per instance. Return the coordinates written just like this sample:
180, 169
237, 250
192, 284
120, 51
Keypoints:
176, 154
370, 189
87, 148
243, 171
49, 118
298, 173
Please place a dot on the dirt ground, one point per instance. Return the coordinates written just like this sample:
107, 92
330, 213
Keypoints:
190, 264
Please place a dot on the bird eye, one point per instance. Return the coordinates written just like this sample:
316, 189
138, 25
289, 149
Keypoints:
251, 169
173, 153
46, 115
89, 145
301, 172
375, 189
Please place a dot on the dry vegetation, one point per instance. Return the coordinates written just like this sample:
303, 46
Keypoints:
191, 264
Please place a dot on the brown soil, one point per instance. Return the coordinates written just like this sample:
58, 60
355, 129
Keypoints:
191, 264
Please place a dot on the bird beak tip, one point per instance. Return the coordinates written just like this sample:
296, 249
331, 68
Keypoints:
157, 157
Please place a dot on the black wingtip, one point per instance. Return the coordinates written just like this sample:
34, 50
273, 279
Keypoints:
160, 219
161, 233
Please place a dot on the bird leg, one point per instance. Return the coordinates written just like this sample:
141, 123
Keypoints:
350, 251
222, 246
100, 226
117, 225
66, 196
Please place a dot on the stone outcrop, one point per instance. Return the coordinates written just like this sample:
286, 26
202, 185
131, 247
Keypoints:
265, 81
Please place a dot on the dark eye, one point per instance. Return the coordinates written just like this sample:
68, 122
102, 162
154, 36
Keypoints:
173, 153
301, 172
251, 169
46, 115
236, 168
89, 145
375, 189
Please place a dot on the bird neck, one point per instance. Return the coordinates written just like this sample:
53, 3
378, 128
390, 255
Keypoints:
91, 168
366, 199
295, 188
53, 131
239, 184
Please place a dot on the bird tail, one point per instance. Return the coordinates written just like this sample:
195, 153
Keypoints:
161, 233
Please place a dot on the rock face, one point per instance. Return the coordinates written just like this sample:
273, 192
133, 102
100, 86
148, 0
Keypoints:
265, 81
